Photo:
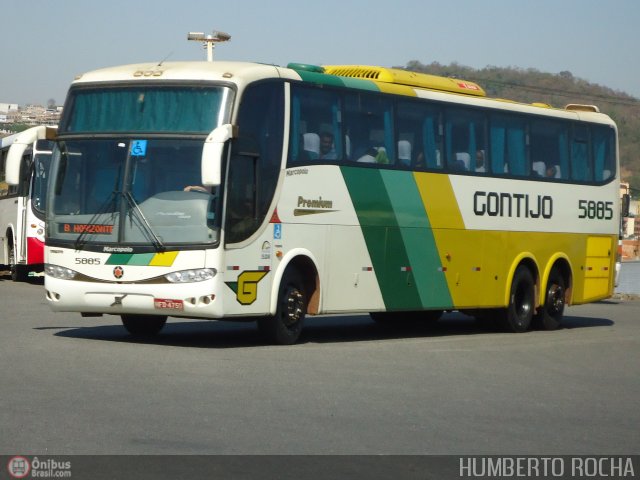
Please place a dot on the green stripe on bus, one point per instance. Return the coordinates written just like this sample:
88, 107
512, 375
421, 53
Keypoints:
119, 258
383, 238
141, 259
320, 78
418, 239
335, 81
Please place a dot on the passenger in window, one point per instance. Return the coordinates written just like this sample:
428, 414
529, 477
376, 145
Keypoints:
369, 156
303, 155
480, 165
551, 171
539, 169
327, 148
461, 162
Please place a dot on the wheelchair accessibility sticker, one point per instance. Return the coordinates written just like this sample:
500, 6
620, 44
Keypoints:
138, 148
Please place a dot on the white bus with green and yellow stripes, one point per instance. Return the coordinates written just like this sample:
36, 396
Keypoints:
223, 190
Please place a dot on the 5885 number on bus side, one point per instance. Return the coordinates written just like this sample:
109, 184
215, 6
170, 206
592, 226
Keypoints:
596, 210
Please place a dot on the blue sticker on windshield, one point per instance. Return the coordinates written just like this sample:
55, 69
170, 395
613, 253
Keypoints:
138, 148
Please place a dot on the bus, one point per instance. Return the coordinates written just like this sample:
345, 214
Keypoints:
232, 190
22, 199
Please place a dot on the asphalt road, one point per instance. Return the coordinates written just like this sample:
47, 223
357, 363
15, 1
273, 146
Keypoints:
81, 386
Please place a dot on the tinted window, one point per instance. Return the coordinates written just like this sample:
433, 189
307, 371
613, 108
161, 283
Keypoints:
255, 159
315, 126
145, 109
368, 124
581, 169
465, 141
419, 136
509, 145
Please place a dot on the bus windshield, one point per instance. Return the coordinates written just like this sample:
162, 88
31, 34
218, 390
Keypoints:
145, 108
130, 191
127, 165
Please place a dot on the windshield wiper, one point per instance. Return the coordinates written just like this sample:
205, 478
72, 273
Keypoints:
104, 208
143, 222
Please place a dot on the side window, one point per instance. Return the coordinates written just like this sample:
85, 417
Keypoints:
4, 186
419, 136
255, 159
509, 145
465, 141
368, 126
603, 153
315, 126
549, 149
580, 159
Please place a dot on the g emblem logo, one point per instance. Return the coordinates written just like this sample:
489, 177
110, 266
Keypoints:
246, 288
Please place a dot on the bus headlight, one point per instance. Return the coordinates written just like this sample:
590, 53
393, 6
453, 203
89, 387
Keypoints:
62, 273
189, 276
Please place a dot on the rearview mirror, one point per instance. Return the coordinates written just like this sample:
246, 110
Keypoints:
16, 151
626, 200
212, 154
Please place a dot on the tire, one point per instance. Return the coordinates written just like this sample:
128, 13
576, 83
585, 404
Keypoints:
19, 273
550, 314
519, 313
285, 326
143, 325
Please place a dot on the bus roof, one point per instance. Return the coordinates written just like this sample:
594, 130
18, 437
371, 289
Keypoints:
387, 80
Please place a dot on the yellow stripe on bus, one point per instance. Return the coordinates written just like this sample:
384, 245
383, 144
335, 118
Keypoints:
439, 200
163, 259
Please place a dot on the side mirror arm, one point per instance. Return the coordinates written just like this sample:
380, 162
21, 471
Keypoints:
212, 151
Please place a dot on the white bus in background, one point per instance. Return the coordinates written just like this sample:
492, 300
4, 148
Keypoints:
22, 200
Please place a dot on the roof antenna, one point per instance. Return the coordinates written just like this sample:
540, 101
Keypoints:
209, 40
164, 59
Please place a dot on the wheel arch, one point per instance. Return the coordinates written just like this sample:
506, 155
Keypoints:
306, 263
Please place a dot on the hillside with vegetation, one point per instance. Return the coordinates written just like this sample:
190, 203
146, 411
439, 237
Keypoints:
531, 85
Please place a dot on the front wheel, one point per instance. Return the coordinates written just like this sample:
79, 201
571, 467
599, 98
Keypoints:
19, 273
143, 325
285, 326
518, 315
550, 314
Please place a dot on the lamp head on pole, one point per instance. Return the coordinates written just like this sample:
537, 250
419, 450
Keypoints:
209, 41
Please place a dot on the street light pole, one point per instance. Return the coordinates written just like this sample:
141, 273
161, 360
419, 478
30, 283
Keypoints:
208, 41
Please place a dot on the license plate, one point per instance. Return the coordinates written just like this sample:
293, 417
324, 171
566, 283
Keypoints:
167, 304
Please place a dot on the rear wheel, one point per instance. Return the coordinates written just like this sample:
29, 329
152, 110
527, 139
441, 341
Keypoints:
518, 315
549, 316
143, 325
285, 326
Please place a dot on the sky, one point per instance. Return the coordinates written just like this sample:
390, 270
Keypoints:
46, 43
